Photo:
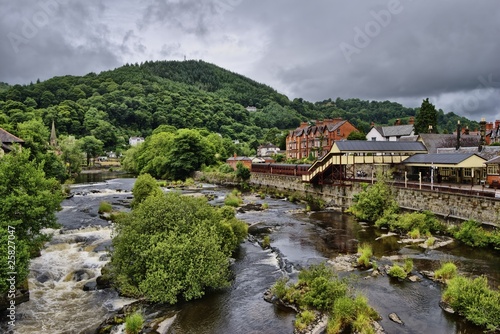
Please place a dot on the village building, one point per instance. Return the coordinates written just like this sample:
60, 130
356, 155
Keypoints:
134, 141
391, 133
267, 150
318, 139
7, 140
234, 160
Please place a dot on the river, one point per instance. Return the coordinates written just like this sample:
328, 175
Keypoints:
78, 251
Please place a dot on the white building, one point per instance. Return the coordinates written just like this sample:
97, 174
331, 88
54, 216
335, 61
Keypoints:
134, 141
390, 133
267, 150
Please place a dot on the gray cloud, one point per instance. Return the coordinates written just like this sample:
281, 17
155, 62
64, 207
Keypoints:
400, 50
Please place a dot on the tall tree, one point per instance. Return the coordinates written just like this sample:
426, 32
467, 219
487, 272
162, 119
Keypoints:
426, 118
91, 146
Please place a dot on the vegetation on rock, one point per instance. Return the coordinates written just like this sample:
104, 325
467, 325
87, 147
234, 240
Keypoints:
172, 246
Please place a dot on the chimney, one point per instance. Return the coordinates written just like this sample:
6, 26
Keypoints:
497, 124
398, 122
372, 124
234, 155
304, 125
482, 131
319, 123
466, 131
412, 120
489, 126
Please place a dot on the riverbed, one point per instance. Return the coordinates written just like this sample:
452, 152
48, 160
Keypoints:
79, 249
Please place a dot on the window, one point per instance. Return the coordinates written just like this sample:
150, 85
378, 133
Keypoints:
467, 172
374, 138
492, 169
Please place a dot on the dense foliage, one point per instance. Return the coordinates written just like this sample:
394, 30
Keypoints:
319, 288
474, 299
175, 154
426, 120
135, 99
472, 234
173, 246
29, 202
374, 201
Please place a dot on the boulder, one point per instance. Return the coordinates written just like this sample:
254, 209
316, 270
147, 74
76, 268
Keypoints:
90, 286
394, 317
102, 282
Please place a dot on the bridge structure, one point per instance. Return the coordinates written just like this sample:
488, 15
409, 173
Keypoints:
339, 166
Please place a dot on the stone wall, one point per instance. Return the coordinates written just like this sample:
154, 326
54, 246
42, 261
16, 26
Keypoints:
449, 206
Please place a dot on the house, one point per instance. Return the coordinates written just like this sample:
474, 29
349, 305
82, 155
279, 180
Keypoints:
267, 150
390, 133
134, 141
7, 139
318, 139
233, 161
493, 172
452, 167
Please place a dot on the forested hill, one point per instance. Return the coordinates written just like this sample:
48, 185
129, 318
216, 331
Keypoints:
135, 99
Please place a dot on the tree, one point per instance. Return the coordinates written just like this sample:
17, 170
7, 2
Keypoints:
174, 246
29, 202
144, 186
242, 172
91, 146
426, 118
356, 135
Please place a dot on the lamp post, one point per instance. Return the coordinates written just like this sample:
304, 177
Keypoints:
432, 176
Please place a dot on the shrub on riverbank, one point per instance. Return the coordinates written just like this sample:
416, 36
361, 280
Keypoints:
319, 288
173, 246
134, 323
366, 253
374, 201
233, 199
105, 207
447, 271
474, 299
424, 222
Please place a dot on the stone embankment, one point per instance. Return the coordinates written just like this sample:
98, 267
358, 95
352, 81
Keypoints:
450, 206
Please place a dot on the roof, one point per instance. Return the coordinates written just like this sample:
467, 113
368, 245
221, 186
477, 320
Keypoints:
7, 137
436, 159
239, 159
493, 161
487, 152
379, 146
433, 141
396, 130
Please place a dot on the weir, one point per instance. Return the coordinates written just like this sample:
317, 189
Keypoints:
448, 205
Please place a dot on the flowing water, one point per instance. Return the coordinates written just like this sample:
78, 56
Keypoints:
78, 251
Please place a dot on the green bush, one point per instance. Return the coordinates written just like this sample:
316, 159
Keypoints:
173, 246
304, 319
430, 241
232, 200
414, 234
226, 169
397, 272
134, 323
471, 233
447, 271
408, 266
366, 253
279, 289
371, 204
354, 312
266, 242
105, 207
144, 186
265, 206
475, 300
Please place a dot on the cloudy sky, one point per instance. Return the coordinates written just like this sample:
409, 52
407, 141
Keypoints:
398, 50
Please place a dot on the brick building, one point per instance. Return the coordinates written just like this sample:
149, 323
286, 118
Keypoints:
316, 139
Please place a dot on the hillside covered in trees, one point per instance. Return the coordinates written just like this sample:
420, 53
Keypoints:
135, 99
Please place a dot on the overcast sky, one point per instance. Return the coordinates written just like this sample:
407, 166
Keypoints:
398, 50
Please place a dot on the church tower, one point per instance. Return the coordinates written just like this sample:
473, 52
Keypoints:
53, 137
